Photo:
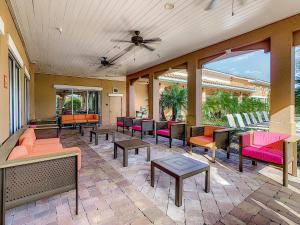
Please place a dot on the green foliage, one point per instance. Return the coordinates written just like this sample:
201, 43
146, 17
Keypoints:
76, 104
251, 105
175, 98
217, 106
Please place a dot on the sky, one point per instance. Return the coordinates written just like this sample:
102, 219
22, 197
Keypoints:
255, 65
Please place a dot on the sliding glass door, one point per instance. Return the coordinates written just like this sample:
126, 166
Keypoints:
14, 95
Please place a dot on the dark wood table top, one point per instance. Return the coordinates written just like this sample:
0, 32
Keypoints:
179, 165
88, 125
102, 131
132, 143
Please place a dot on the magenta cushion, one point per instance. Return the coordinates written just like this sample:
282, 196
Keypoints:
120, 124
164, 132
268, 139
264, 153
137, 127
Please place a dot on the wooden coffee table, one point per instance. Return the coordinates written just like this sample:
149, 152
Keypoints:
101, 131
130, 145
180, 167
83, 126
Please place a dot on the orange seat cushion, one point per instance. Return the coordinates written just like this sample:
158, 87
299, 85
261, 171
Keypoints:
65, 118
47, 141
203, 141
209, 130
68, 122
89, 116
27, 133
80, 117
80, 121
18, 152
28, 143
46, 148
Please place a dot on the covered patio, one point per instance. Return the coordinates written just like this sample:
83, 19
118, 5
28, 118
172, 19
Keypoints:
104, 121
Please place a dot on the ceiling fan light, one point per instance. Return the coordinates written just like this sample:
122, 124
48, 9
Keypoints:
169, 6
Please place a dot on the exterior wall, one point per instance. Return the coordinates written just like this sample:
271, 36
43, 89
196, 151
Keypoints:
10, 29
45, 93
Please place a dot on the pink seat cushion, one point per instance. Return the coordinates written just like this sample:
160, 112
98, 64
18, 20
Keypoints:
264, 153
268, 139
137, 127
164, 132
47, 141
120, 124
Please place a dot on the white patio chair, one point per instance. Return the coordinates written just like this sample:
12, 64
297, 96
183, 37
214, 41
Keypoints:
266, 117
231, 121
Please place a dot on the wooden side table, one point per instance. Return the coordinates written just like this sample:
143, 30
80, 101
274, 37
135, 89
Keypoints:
99, 132
127, 145
180, 167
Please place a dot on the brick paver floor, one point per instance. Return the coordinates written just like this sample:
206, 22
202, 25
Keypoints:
114, 195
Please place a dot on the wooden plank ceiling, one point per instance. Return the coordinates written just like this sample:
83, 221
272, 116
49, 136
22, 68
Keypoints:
89, 25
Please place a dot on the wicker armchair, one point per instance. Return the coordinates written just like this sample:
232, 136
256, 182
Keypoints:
27, 180
143, 126
171, 130
124, 122
210, 137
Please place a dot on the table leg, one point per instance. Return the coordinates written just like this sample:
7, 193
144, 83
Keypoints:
125, 158
178, 192
115, 151
152, 174
82, 132
136, 151
148, 154
57, 130
207, 180
113, 137
79, 129
96, 139
91, 136
106, 136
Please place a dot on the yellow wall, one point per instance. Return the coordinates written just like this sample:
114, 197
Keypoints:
45, 93
10, 30
141, 92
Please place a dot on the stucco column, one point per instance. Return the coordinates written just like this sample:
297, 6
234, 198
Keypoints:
282, 108
131, 100
153, 97
194, 86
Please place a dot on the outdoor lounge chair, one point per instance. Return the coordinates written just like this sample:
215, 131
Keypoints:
231, 121
143, 126
271, 148
266, 117
171, 130
243, 126
260, 119
210, 137
27, 177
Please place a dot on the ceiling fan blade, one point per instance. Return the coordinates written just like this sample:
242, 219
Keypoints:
129, 48
152, 40
117, 40
211, 5
147, 47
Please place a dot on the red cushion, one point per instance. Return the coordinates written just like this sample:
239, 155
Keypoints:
264, 153
164, 132
120, 124
269, 139
170, 123
137, 127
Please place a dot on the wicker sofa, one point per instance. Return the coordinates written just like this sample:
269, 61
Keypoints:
210, 137
79, 119
271, 148
29, 176
171, 130
143, 126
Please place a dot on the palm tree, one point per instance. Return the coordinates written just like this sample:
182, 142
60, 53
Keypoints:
174, 97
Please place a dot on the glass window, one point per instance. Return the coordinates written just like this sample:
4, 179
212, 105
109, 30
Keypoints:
14, 95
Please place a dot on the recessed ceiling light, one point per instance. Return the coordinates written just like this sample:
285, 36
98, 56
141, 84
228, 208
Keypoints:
169, 6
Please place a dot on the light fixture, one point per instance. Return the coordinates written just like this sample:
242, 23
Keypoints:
59, 29
169, 6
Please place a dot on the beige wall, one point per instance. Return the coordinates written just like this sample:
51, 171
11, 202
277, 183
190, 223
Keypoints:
141, 92
45, 93
10, 29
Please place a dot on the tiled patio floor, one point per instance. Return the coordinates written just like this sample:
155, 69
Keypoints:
111, 194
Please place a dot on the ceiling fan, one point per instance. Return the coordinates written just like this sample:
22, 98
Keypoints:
137, 40
212, 4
